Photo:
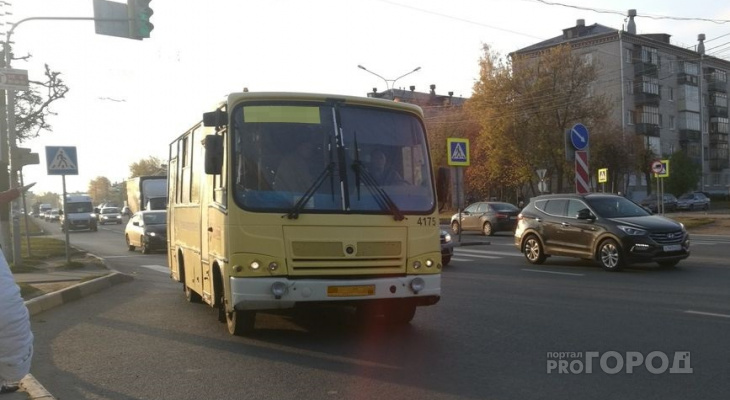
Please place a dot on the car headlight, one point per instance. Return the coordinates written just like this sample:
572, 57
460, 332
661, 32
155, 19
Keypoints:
151, 234
632, 231
447, 238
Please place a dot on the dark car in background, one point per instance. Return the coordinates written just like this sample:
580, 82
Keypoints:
693, 201
607, 228
669, 202
487, 217
147, 230
447, 248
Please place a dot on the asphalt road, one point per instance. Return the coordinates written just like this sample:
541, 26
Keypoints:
500, 326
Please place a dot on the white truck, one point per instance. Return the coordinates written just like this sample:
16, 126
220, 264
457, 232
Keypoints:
78, 213
147, 193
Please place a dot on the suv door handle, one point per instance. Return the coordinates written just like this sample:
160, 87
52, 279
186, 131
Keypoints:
565, 224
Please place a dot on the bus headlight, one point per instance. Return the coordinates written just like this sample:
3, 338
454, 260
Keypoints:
417, 285
429, 263
255, 265
273, 266
416, 264
278, 289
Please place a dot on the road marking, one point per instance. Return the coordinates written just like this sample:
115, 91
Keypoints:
708, 314
466, 252
477, 256
158, 268
460, 259
552, 272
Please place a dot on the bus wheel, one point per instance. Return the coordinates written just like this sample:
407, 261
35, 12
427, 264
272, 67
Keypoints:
190, 295
240, 322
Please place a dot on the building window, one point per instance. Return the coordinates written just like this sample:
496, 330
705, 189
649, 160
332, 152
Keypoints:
629, 117
649, 55
719, 125
689, 121
649, 85
588, 59
648, 115
690, 68
628, 55
629, 86
718, 99
671, 93
672, 123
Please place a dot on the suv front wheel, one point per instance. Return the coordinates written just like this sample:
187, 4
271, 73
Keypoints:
610, 256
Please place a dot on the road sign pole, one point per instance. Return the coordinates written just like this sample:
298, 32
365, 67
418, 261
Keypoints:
65, 220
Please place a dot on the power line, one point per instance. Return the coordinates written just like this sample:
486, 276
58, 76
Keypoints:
622, 13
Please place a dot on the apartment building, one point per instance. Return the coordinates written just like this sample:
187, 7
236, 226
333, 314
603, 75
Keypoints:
676, 97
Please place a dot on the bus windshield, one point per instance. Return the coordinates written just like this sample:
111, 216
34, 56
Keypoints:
330, 158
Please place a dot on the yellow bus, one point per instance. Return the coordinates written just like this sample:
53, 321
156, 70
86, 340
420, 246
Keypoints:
286, 200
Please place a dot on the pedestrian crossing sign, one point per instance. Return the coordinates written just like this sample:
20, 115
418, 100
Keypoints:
458, 152
62, 160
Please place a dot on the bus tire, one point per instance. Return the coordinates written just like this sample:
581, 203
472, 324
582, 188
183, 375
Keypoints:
190, 295
240, 323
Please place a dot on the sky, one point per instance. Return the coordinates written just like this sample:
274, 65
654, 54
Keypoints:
129, 99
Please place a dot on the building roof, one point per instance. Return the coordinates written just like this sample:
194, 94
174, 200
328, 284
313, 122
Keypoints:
577, 32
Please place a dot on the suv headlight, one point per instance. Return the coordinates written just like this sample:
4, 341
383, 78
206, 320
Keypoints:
447, 238
632, 231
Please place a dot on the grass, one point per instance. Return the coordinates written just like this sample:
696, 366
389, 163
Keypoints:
43, 248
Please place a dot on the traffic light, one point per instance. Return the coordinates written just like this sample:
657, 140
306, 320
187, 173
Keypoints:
139, 19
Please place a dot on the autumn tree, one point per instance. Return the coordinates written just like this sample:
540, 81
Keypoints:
100, 189
148, 166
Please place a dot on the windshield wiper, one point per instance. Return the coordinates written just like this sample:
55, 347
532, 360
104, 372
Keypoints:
299, 206
381, 197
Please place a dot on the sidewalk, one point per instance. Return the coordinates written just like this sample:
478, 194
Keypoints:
59, 286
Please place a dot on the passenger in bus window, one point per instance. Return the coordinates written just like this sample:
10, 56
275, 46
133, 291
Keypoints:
293, 173
382, 171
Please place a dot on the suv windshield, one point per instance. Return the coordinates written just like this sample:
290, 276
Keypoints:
328, 158
615, 207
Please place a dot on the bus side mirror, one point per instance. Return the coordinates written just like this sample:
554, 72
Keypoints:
215, 118
443, 180
213, 154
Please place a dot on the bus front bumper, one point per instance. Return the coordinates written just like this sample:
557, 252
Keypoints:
281, 293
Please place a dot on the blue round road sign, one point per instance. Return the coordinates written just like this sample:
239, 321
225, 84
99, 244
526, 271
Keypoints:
579, 136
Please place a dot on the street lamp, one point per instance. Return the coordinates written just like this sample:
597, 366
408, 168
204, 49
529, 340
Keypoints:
392, 81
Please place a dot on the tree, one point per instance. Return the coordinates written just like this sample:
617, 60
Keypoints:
524, 107
683, 174
99, 189
32, 108
148, 166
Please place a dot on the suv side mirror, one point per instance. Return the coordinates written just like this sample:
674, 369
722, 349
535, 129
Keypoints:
585, 214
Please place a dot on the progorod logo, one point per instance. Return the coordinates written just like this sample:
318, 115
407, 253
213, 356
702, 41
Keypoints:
613, 362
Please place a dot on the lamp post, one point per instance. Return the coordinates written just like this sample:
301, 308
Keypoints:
392, 81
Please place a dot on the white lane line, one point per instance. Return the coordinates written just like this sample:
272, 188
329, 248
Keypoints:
460, 259
158, 268
467, 252
552, 272
708, 314
477, 256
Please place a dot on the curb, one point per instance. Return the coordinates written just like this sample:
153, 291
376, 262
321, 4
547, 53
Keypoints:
50, 300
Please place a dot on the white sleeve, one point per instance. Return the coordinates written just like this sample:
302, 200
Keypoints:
16, 338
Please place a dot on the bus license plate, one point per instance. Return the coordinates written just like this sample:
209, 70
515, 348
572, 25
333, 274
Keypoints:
346, 291
673, 247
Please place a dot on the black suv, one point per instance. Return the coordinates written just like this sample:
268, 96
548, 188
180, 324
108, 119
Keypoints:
607, 228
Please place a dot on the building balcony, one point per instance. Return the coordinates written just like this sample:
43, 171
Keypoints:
718, 164
645, 69
718, 138
716, 86
643, 99
686, 135
686, 79
717, 111
647, 129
